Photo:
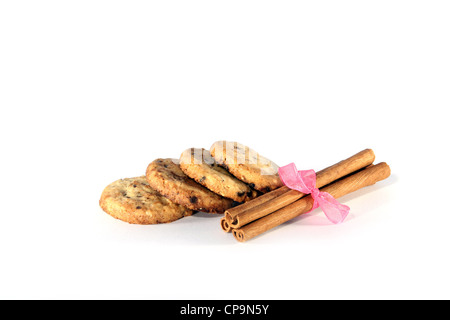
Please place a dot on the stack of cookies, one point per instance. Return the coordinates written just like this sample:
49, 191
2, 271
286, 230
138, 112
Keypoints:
200, 180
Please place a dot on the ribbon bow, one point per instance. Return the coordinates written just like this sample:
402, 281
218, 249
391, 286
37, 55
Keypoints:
305, 182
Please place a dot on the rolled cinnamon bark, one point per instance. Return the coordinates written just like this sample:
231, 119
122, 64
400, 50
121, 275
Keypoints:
338, 189
277, 199
231, 213
225, 225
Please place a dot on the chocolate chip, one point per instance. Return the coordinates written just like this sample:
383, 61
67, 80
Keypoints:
268, 189
202, 179
240, 194
193, 199
165, 166
134, 186
138, 207
252, 185
250, 193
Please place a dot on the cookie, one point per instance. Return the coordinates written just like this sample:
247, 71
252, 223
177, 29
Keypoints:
247, 165
132, 200
166, 176
199, 165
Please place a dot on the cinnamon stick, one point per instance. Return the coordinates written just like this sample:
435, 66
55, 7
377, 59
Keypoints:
231, 213
225, 225
338, 189
281, 197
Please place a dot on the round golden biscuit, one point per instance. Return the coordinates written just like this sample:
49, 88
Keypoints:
247, 165
199, 165
133, 200
166, 176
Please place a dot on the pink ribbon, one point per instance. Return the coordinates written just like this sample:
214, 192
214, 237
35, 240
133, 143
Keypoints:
305, 182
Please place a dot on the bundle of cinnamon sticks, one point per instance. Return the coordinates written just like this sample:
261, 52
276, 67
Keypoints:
257, 216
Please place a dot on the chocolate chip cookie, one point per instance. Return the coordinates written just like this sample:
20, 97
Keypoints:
133, 200
166, 176
199, 165
247, 165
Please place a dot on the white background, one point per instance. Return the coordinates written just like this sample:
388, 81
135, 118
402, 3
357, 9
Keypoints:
93, 91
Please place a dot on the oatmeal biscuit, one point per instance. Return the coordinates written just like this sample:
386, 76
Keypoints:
132, 200
166, 177
247, 165
199, 165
